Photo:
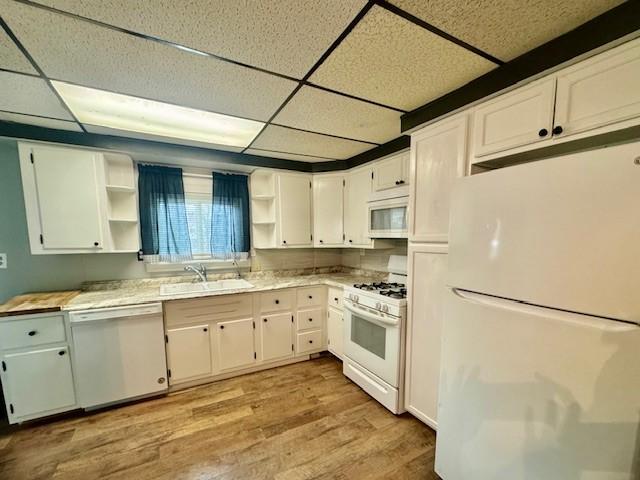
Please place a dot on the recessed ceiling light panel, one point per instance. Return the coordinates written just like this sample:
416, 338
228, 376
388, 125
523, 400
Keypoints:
133, 114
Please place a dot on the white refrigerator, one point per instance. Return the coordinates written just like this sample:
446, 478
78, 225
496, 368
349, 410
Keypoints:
540, 375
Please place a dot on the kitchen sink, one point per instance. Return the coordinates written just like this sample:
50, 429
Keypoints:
216, 286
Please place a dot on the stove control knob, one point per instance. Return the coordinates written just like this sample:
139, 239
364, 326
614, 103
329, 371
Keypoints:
385, 308
378, 305
356, 298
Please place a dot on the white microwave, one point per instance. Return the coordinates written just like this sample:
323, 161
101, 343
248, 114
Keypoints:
387, 213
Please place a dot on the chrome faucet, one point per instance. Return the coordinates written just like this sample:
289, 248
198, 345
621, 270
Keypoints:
200, 270
235, 264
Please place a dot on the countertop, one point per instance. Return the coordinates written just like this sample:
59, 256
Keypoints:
37, 303
136, 292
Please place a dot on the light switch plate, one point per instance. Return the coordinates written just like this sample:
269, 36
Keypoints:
3, 260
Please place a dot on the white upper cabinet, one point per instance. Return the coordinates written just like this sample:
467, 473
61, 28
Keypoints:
294, 201
328, 215
71, 207
600, 91
522, 117
357, 190
438, 157
66, 197
391, 172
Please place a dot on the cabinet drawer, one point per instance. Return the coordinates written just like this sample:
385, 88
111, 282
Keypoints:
32, 331
208, 309
311, 296
310, 341
308, 319
335, 297
276, 301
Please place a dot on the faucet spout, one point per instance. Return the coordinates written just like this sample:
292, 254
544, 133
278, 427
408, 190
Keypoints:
200, 271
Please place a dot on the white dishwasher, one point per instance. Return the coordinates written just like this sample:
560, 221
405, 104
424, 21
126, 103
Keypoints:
119, 353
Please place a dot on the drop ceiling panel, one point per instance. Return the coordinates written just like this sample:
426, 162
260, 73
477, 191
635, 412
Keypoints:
296, 32
29, 95
39, 121
287, 156
157, 138
11, 58
325, 112
86, 54
282, 139
395, 62
508, 28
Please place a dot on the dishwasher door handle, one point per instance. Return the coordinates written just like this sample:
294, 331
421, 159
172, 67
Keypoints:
99, 314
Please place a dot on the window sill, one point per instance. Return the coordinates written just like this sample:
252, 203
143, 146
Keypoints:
219, 266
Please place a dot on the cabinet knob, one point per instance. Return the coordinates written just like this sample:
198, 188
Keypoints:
311, 319
277, 301
205, 329
543, 132
397, 182
401, 182
61, 352
32, 333
264, 320
350, 241
310, 297
310, 341
96, 244
335, 299
557, 130
321, 241
221, 327
284, 241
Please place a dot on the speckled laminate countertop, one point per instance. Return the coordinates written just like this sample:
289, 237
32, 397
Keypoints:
136, 292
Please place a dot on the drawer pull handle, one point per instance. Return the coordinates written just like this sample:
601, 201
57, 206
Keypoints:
61, 352
277, 302
311, 319
310, 341
32, 333
310, 297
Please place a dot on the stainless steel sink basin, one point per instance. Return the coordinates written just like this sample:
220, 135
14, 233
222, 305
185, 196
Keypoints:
216, 286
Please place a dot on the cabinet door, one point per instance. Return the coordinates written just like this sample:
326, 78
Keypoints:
335, 332
427, 270
328, 215
357, 193
38, 381
235, 347
67, 197
391, 172
189, 352
276, 336
438, 157
294, 193
519, 118
600, 91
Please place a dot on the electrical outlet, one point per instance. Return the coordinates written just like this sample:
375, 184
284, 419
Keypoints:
3, 260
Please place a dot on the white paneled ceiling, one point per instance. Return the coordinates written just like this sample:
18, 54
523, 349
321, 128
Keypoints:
395, 62
284, 36
506, 28
29, 95
339, 115
330, 78
282, 139
11, 58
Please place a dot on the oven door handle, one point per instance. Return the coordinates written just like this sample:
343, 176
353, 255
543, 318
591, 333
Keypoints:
370, 316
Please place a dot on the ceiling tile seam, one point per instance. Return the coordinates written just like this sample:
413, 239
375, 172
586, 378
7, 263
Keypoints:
37, 68
8, 70
359, 16
195, 51
293, 153
37, 116
353, 97
275, 124
433, 29
151, 38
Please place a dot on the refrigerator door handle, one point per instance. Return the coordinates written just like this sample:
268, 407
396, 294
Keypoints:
604, 324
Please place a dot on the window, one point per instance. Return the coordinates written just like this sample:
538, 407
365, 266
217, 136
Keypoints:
198, 203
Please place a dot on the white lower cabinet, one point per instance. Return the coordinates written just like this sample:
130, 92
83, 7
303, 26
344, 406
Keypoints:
335, 331
36, 374
189, 352
427, 268
235, 344
276, 336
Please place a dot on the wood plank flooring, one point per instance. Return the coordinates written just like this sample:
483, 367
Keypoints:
301, 421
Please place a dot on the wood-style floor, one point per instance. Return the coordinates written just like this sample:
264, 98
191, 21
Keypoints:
301, 421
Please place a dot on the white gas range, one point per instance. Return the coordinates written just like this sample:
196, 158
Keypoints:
374, 335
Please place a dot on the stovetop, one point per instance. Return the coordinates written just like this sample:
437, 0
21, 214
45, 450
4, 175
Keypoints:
387, 289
